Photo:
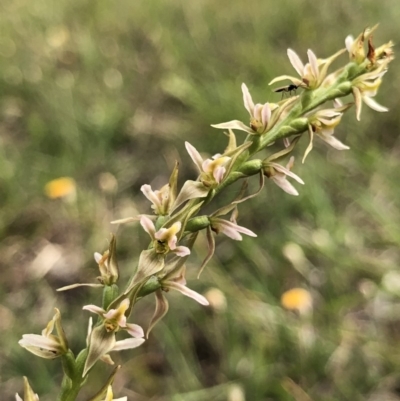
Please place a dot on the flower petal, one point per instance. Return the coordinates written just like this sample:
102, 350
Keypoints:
36, 340
296, 61
94, 309
195, 155
349, 43
160, 311
357, 101
118, 314
181, 251
126, 220
211, 250
219, 173
186, 291
72, 286
169, 234
374, 105
190, 190
334, 142
234, 124
148, 226
134, 330
310, 144
283, 183
29, 394
151, 196
230, 229
97, 257
45, 347
312, 59
107, 359
101, 342
128, 343
149, 263
294, 80
89, 330
247, 100
239, 229
265, 114
287, 172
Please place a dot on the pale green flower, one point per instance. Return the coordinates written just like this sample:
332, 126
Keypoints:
278, 174
108, 267
322, 123
365, 87
47, 345
212, 171
101, 340
165, 239
355, 47
260, 116
173, 281
229, 228
311, 74
163, 199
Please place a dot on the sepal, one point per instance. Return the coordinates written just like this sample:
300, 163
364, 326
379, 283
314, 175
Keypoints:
105, 389
101, 343
29, 395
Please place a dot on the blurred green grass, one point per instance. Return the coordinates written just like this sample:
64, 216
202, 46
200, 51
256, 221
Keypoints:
104, 91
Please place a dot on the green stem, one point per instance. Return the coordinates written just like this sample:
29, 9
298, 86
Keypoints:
72, 383
69, 390
308, 101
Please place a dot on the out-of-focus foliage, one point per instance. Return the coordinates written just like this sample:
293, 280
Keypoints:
107, 93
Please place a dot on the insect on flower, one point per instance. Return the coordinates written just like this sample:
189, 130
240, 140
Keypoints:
287, 89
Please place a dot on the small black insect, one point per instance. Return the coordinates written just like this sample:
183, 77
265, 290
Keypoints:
287, 89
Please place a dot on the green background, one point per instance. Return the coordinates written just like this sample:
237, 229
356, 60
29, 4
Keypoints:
107, 92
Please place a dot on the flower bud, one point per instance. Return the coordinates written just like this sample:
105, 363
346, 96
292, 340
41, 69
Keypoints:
197, 223
29, 395
251, 167
299, 124
108, 264
295, 126
47, 345
152, 284
342, 89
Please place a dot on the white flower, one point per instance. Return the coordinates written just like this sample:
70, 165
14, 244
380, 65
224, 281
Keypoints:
260, 116
165, 239
47, 345
174, 281
311, 74
101, 340
210, 169
365, 87
229, 228
160, 199
279, 174
323, 123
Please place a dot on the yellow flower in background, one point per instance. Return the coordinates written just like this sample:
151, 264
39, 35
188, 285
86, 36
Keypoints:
297, 299
60, 188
